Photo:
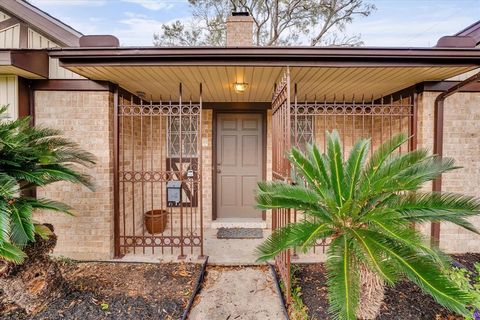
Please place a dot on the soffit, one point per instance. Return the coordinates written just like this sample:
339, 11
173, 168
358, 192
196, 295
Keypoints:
11, 70
162, 82
31, 64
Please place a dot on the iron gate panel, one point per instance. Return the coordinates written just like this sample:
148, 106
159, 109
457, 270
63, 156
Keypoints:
377, 120
298, 124
158, 142
281, 134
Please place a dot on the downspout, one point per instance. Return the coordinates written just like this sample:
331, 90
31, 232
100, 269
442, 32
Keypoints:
438, 141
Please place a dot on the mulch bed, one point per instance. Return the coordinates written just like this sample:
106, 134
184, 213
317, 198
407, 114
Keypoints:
117, 291
404, 301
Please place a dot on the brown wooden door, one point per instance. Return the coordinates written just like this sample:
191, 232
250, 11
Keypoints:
239, 164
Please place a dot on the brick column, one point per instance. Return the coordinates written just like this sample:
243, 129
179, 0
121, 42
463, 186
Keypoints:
86, 118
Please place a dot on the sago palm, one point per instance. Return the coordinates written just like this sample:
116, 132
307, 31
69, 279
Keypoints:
32, 157
367, 208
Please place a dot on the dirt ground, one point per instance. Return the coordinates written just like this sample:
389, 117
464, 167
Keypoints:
117, 291
404, 301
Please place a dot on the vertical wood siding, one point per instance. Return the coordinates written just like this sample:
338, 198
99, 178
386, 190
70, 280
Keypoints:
3, 16
9, 95
10, 37
38, 41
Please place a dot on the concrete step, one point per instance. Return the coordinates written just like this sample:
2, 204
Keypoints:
239, 223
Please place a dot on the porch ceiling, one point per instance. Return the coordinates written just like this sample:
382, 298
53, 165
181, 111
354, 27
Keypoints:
162, 82
12, 70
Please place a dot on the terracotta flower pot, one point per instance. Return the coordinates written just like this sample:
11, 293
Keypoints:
156, 221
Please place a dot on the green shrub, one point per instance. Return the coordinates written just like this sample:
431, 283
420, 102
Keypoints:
367, 207
32, 157
470, 282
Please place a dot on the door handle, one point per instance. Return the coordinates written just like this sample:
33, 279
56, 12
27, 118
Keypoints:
219, 171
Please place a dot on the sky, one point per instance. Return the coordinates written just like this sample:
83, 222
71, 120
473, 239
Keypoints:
406, 23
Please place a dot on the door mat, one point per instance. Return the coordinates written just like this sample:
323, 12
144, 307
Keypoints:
240, 233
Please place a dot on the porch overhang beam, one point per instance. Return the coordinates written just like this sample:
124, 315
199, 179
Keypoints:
268, 56
30, 64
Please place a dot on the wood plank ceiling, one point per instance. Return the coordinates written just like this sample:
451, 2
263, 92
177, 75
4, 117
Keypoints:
162, 82
12, 70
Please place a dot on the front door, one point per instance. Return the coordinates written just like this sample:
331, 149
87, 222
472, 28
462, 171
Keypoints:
239, 164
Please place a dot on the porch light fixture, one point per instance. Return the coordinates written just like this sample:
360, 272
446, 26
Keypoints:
240, 87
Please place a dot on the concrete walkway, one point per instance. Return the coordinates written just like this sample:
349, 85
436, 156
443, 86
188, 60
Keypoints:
238, 293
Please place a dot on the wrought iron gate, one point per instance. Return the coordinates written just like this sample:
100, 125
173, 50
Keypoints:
298, 124
158, 143
281, 167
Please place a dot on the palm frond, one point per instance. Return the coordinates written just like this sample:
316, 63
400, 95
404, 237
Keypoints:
21, 223
8, 186
398, 162
54, 172
342, 280
424, 273
67, 155
355, 163
35, 177
335, 159
391, 168
273, 195
408, 236
4, 222
39, 134
376, 258
308, 171
409, 179
11, 253
426, 170
46, 204
380, 155
302, 234
320, 163
438, 207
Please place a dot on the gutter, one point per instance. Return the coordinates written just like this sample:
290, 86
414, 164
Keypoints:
279, 56
438, 141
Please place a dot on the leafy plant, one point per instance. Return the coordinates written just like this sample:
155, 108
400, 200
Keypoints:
275, 22
298, 309
32, 157
104, 306
367, 208
470, 282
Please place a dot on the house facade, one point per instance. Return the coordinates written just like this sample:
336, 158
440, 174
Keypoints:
184, 134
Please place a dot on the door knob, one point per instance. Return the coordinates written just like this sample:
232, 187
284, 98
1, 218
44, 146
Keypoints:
219, 171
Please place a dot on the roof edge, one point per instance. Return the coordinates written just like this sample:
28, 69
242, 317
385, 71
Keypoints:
266, 56
472, 30
42, 22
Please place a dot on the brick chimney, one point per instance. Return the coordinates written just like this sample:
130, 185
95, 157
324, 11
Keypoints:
239, 30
